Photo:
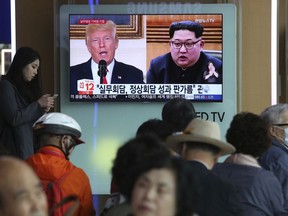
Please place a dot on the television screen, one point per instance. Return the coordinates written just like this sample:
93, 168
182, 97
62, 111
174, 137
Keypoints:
144, 67
143, 36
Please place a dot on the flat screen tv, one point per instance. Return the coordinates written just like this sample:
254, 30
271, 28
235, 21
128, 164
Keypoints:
141, 39
143, 35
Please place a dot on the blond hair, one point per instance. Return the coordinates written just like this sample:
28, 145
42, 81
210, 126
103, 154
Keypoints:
109, 25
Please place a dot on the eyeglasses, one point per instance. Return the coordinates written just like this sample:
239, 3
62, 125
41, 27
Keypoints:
188, 44
73, 142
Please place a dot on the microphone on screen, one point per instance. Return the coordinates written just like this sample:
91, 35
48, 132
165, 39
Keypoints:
102, 70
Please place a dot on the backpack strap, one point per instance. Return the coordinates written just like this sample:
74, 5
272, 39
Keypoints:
68, 199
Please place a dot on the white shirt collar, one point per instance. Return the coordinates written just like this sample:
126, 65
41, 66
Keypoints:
94, 68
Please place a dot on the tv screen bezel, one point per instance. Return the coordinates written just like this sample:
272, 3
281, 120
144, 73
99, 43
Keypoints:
102, 93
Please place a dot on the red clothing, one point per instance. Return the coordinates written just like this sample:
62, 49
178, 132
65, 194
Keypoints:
50, 163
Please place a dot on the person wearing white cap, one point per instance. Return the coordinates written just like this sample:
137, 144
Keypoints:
56, 136
201, 145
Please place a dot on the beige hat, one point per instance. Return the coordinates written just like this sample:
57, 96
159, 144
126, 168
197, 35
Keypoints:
203, 131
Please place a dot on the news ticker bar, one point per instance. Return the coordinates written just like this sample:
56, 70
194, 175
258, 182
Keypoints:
88, 87
89, 91
99, 98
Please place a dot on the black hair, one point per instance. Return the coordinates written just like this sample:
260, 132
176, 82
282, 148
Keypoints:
186, 25
249, 134
131, 153
156, 126
30, 91
178, 112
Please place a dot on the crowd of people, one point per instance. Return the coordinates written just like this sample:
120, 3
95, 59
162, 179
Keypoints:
169, 168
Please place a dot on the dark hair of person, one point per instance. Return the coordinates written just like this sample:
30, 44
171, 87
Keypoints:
203, 146
30, 91
156, 126
186, 25
3, 150
130, 154
178, 112
187, 184
249, 134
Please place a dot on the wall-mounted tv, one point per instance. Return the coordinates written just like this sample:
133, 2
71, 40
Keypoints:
102, 123
144, 36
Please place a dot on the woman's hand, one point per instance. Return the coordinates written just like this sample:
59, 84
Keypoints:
46, 102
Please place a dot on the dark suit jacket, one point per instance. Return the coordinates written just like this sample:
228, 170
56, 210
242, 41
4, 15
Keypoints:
122, 74
218, 198
163, 70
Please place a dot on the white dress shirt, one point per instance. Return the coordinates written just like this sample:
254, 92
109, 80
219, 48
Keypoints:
96, 77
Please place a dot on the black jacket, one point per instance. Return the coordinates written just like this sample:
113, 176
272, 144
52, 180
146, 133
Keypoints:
16, 121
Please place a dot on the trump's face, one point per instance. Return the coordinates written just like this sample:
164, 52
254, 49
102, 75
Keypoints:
102, 45
185, 57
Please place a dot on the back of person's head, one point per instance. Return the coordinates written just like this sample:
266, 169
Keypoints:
249, 134
273, 114
106, 25
131, 153
55, 123
21, 191
186, 25
178, 112
186, 185
156, 126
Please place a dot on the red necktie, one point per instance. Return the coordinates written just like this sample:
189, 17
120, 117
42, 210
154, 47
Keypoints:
104, 78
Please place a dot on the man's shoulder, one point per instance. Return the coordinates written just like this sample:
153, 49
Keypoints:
5, 84
81, 71
81, 64
277, 151
122, 65
161, 58
275, 159
211, 58
252, 173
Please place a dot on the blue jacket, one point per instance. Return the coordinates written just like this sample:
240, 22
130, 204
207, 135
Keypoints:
260, 191
275, 159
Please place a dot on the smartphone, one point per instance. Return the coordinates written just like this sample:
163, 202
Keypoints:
55, 96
